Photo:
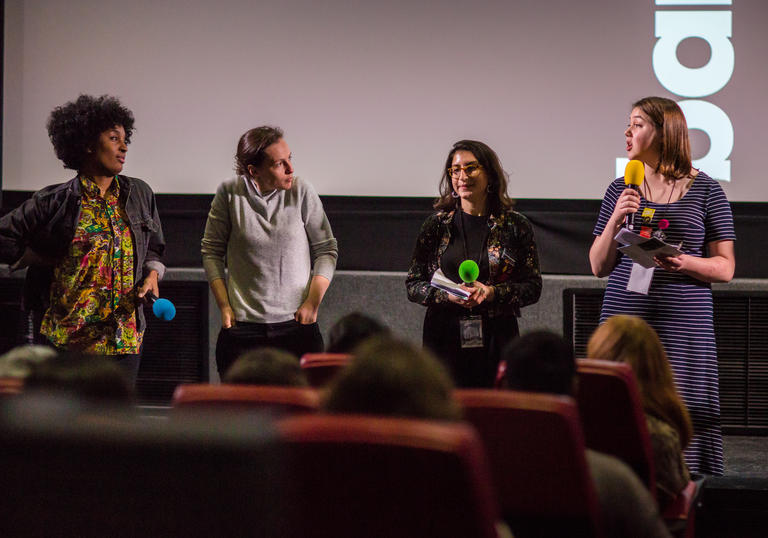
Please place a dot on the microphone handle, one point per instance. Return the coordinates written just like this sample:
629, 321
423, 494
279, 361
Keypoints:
629, 218
150, 297
629, 221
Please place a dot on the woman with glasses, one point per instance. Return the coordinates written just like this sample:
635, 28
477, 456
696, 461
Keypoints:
474, 221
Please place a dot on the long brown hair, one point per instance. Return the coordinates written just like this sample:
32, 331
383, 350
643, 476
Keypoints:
498, 200
630, 339
675, 150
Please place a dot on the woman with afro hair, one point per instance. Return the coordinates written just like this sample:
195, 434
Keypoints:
91, 245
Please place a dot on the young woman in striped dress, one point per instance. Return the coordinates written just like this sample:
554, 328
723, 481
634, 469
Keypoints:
685, 207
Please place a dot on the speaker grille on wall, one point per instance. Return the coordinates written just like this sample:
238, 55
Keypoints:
741, 333
581, 315
175, 351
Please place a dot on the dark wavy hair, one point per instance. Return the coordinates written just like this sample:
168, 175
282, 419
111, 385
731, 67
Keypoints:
251, 146
76, 126
540, 361
668, 118
351, 330
498, 200
266, 366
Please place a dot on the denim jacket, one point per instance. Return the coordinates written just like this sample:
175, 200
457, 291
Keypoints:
513, 262
45, 225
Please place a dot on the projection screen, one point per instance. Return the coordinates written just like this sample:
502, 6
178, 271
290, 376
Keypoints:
371, 95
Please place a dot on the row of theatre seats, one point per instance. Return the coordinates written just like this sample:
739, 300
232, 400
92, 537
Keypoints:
519, 455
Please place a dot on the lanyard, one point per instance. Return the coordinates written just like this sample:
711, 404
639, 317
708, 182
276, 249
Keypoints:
464, 240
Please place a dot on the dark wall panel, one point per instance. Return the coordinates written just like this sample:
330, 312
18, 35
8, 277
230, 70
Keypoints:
379, 233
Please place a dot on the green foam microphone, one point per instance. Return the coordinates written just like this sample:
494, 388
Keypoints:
469, 271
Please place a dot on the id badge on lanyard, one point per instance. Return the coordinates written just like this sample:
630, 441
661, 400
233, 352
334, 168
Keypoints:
471, 327
471, 331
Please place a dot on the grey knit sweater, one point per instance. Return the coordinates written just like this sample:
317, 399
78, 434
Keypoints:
271, 245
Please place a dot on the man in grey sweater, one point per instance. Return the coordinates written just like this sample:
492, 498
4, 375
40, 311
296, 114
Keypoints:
269, 229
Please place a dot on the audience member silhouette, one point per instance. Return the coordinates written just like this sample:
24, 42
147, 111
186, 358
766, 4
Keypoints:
392, 377
92, 378
266, 366
351, 330
542, 361
19, 361
631, 340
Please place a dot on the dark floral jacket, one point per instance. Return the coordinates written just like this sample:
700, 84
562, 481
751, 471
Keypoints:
512, 259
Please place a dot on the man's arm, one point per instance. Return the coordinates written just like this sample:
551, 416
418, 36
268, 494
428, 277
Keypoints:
219, 289
307, 312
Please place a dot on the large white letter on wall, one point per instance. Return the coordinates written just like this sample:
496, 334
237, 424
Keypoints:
711, 119
672, 27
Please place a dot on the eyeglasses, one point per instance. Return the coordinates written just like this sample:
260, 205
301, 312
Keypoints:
471, 170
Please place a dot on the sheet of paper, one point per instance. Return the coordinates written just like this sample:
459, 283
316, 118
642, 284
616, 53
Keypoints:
440, 281
640, 279
642, 249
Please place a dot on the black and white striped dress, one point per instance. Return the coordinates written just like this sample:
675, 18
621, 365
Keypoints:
679, 307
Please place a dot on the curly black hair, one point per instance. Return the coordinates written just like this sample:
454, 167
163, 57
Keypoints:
76, 126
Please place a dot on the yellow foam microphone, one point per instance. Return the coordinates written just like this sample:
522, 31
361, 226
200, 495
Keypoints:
634, 174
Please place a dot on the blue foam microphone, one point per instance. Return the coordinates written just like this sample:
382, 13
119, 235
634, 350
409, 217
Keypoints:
162, 308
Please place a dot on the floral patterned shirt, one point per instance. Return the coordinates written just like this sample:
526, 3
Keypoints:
93, 300
512, 258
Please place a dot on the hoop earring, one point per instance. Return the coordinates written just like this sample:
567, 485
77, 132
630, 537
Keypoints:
454, 194
488, 189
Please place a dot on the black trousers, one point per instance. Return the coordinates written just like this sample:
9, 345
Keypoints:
469, 367
291, 336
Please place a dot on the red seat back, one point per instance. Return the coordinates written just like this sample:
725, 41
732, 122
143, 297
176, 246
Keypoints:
538, 466
322, 367
386, 477
501, 371
284, 399
612, 415
11, 385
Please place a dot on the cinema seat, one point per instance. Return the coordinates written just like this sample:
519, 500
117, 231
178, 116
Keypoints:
538, 467
614, 423
70, 469
612, 415
283, 399
322, 367
501, 371
386, 477
10, 386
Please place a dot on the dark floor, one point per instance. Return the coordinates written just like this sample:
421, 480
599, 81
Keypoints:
746, 457
736, 504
